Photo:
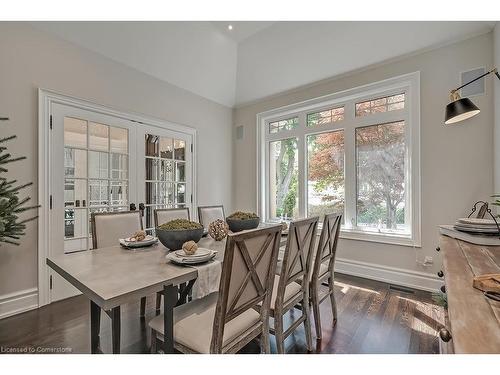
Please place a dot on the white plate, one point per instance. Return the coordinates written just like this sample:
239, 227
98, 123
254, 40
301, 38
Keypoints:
476, 221
200, 253
148, 241
476, 230
189, 260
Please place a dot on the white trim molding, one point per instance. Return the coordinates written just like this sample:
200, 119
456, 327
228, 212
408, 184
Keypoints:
18, 302
409, 84
391, 275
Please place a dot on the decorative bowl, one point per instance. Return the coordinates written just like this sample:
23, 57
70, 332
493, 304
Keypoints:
174, 239
237, 225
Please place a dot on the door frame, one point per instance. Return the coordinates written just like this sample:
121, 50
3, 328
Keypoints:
46, 98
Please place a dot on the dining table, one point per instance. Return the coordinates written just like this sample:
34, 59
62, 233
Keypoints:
113, 276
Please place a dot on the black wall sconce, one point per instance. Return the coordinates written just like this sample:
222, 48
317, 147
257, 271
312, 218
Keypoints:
462, 108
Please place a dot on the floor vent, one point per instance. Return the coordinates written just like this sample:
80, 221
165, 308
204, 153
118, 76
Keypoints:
401, 289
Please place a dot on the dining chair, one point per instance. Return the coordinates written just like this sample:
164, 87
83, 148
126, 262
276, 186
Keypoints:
287, 292
208, 214
164, 215
108, 227
225, 321
323, 269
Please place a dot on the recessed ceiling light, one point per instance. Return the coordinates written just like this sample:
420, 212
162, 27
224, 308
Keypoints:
229, 27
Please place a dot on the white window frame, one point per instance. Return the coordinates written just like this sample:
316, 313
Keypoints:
408, 84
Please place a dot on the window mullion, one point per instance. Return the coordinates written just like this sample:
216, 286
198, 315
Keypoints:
302, 175
350, 169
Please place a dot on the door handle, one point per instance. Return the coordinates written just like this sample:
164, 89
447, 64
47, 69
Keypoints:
132, 207
141, 208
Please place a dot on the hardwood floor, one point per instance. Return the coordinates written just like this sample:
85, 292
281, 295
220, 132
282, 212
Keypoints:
372, 318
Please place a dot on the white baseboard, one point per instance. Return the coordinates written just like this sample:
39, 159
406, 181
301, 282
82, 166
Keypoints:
18, 302
391, 275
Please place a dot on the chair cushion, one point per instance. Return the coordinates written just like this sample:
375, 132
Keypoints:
193, 324
290, 291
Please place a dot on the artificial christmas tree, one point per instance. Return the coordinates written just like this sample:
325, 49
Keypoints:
12, 227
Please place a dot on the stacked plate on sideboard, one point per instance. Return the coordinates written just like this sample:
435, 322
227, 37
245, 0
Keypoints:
477, 226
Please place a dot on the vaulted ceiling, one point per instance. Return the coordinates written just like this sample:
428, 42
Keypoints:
256, 59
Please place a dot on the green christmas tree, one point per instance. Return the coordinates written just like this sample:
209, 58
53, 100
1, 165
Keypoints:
12, 227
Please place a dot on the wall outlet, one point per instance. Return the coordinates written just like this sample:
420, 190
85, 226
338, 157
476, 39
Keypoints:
428, 260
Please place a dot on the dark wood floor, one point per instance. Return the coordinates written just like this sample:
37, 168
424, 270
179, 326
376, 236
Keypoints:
372, 318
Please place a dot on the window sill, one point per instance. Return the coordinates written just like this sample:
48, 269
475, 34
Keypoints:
384, 238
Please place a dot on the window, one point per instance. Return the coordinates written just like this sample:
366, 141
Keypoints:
380, 178
283, 169
325, 117
355, 153
325, 173
388, 103
277, 126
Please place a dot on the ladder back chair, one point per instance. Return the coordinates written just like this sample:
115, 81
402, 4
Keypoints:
108, 227
224, 322
287, 292
207, 214
323, 268
164, 215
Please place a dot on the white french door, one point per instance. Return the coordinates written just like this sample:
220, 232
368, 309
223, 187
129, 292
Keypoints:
103, 163
165, 171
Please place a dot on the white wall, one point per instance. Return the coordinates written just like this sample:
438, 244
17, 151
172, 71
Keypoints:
456, 161
496, 96
290, 54
30, 59
192, 55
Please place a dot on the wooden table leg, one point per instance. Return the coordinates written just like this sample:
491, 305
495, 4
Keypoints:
169, 302
115, 329
95, 326
143, 307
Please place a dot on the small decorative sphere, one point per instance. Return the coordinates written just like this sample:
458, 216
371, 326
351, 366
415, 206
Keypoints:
218, 229
284, 226
190, 247
140, 235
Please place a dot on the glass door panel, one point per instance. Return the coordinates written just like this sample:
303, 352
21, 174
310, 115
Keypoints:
96, 171
167, 161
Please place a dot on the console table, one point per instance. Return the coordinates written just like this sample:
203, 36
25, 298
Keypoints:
473, 324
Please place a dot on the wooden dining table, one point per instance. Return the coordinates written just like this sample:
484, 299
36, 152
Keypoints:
113, 276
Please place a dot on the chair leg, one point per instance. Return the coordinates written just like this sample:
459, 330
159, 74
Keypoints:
317, 318
265, 347
143, 307
158, 303
307, 321
278, 332
332, 300
154, 350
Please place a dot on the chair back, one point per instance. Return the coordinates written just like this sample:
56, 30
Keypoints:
298, 254
109, 227
207, 214
247, 278
327, 245
164, 215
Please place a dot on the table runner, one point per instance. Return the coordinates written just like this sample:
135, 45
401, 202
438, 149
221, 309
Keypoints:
209, 273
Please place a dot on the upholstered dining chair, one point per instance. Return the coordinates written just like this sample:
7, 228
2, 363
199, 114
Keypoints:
224, 322
287, 292
207, 214
323, 269
164, 215
109, 227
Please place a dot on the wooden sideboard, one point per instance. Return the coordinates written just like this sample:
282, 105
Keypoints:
473, 323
